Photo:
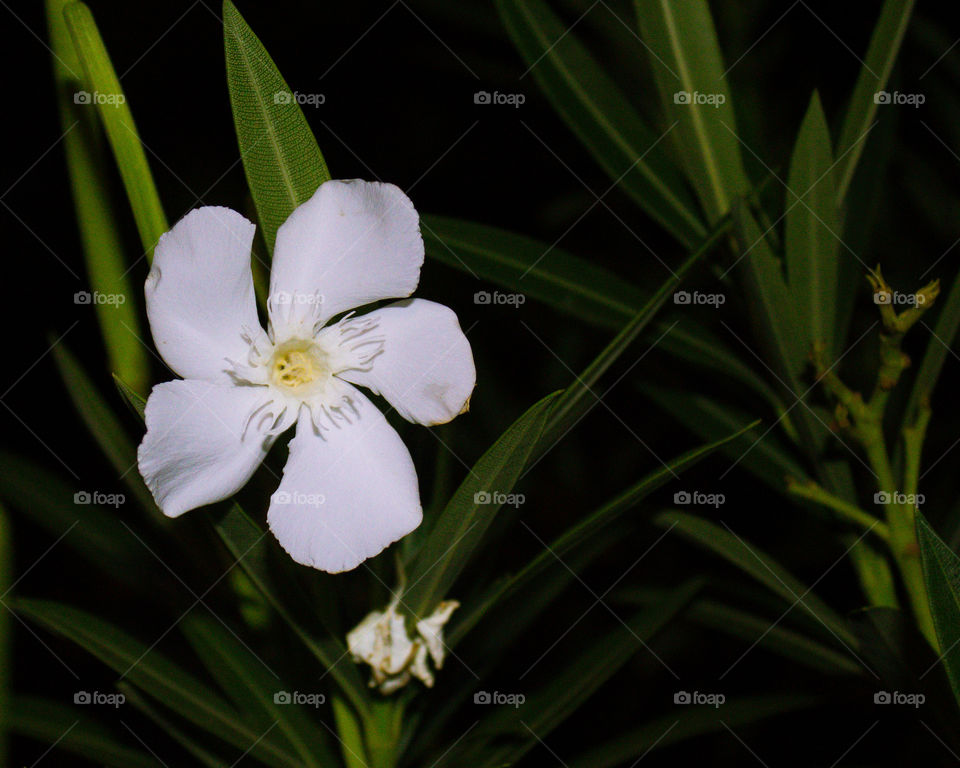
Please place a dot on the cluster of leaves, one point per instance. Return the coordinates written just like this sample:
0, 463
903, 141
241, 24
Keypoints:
696, 180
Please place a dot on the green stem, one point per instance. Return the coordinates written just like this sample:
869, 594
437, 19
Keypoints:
817, 493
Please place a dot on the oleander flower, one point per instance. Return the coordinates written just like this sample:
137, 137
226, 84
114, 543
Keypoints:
349, 487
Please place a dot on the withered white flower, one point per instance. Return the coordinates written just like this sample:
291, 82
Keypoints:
349, 488
382, 641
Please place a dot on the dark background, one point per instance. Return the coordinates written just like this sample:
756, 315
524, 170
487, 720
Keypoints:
399, 82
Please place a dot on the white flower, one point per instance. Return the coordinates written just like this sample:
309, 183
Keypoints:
349, 487
382, 641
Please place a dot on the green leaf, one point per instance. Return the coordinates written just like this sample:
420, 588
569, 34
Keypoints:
573, 402
351, 737
554, 276
252, 687
460, 528
103, 424
874, 77
93, 532
249, 544
169, 728
672, 729
134, 399
685, 57
759, 565
100, 78
280, 155
600, 115
145, 667
812, 231
54, 723
769, 301
570, 687
941, 340
99, 229
585, 530
941, 573
764, 455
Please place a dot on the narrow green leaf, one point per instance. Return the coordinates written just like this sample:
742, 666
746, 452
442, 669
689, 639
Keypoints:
586, 530
764, 455
104, 86
673, 729
938, 347
280, 155
873, 78
941, 572
99, 229
599, 113
812, 231
248, 543
574, 401
460, 528
350, 735
554, 276
169, 728
136, 401
154, 674
769, 300
103, 424
688, 68
253, 688
92, 531
759, 565
55, 723
572, 686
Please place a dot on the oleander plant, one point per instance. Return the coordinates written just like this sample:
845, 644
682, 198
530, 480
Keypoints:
628, 437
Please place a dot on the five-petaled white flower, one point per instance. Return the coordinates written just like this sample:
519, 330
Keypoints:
349, 487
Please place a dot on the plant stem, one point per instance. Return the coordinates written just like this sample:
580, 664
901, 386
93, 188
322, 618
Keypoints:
817, 493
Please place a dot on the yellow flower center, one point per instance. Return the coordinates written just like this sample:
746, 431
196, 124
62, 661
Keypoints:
297, 364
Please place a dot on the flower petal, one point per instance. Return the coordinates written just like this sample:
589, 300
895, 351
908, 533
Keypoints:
352, 243
348, 490
201, 445
425, 369
200, 294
